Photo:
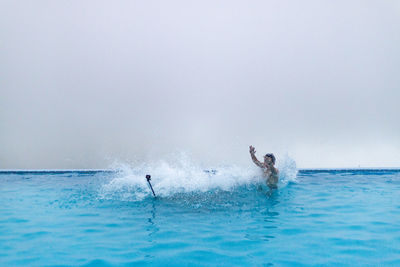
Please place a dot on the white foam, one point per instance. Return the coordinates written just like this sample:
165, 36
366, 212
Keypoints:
287, 170
182, 175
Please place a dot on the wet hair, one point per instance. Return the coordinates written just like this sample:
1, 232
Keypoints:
270, 155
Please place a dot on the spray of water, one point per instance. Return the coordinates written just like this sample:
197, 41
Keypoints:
180, 174
287, 169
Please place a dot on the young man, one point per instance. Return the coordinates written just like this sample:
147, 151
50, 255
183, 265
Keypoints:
271, 173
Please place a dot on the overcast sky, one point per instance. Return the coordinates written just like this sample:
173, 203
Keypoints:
84, 83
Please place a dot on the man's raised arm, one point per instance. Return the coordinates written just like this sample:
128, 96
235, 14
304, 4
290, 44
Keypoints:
253, 157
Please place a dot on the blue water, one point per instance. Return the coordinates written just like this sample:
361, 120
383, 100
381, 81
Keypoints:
97, 218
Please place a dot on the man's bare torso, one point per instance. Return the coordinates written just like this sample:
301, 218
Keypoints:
270, 172
272, 176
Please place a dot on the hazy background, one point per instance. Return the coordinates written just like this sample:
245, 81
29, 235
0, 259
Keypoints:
84, 83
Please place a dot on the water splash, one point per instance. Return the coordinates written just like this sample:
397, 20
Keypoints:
180, 174
287, 170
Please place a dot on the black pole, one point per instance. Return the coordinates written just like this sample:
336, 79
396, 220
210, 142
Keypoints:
148, 178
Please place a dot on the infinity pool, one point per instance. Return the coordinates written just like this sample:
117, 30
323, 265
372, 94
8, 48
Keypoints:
108, 218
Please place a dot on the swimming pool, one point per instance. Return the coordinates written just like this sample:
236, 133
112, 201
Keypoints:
102, 218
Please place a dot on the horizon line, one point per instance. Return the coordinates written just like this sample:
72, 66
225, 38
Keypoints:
115, 170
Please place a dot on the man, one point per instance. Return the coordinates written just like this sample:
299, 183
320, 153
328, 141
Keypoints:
271, 173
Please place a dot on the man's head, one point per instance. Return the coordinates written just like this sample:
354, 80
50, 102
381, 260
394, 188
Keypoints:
269, 158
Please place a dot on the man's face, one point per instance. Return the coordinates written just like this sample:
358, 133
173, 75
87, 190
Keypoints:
267, 160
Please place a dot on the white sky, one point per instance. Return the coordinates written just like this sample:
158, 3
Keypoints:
84, 83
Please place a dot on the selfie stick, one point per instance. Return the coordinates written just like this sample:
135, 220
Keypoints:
148, 177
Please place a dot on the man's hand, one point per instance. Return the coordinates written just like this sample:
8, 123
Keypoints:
254, 158
252, 150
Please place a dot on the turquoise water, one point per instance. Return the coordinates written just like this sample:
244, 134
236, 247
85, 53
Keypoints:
98, 218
